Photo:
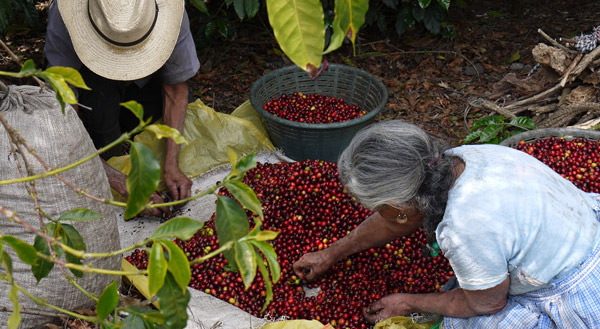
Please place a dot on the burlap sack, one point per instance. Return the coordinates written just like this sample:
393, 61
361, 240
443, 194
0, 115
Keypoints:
59, 139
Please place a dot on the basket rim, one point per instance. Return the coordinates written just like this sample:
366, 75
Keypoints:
551, 132
306, 125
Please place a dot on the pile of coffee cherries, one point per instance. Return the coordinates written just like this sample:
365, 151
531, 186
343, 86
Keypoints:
308, 205
313, 108
577, 160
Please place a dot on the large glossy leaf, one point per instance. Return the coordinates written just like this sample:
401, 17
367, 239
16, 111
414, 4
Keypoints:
73, 239
41, 268
268, 284
142, 318
60, 86
494, 119
265, 235
7, 263
444, 3
142, 180
179, 227
490, 132
472, 136
173, 303
15, 318
231, 223
164, 131
523, 122
80, 215
178, 265
25, 251
241, 167
251, 7
69, 75
108, 300
28, 67
157, 269
349, 17
269, 252
424, 3
245, 259
299, 29
246, 196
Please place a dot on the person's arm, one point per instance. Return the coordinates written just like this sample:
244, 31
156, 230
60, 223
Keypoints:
175, 107
459, 303
375, 231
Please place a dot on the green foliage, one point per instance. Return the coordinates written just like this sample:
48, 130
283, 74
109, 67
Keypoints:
142, 180
18, 12
108, 301
494, 129
180, 227
173, 303
406, 14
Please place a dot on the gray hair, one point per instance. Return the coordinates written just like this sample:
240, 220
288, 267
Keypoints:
393, 163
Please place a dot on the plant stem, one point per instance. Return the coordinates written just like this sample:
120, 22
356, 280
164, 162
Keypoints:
87, 268
40, 301
178, 202
215, 252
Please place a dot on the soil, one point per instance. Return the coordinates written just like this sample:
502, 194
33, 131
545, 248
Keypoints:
429, 78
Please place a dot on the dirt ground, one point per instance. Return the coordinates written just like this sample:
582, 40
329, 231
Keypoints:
429, 79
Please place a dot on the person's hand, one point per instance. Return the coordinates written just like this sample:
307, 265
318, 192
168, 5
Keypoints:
387, 307
178, 184
313, 265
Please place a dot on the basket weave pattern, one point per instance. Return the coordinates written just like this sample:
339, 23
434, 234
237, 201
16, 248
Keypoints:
300, 140
567, 133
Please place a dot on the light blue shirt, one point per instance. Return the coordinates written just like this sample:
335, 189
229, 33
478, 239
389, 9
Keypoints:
508, 214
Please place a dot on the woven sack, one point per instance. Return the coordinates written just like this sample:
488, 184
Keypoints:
59, 139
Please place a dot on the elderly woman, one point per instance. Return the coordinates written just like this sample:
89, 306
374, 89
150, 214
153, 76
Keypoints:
522, 241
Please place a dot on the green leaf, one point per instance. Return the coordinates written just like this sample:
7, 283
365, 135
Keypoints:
108, 301
269, 252
444, 3
349, 18
490, 132
494, 14
200, 5
494, 119
472, 136
433, 19
391, 3
73, 239
61, 87
265, 235
268, 284
142, 180
246, 163
136, 108
7, 261
41, 268
28, 67
173, 303
164, 131
80, 215
178, 265
251, 7
424, 3
513, 58
15, 318
246, 196
231, 223
142, 318
182, 228
69, 75
238, 5
245, 259
523, 122
157, 269
25, 251
299, 28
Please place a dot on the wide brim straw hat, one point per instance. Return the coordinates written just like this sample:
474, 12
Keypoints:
123, 39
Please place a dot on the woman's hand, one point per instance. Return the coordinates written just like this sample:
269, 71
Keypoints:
387, 307
313, 265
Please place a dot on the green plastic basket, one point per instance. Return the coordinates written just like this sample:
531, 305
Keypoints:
567, 133
300, 140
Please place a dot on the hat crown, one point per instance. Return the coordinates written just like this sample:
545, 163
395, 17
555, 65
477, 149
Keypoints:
123, 21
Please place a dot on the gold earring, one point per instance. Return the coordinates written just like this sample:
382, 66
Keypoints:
401, 219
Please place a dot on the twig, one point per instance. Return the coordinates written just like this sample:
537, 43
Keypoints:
574, 63
555, 43
585, 62
10, 310
480, 102
18, 61
534, 98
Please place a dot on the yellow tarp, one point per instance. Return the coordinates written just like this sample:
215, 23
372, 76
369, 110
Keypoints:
210, 134
402, 322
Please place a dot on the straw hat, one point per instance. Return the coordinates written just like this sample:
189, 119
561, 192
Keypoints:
123, 39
